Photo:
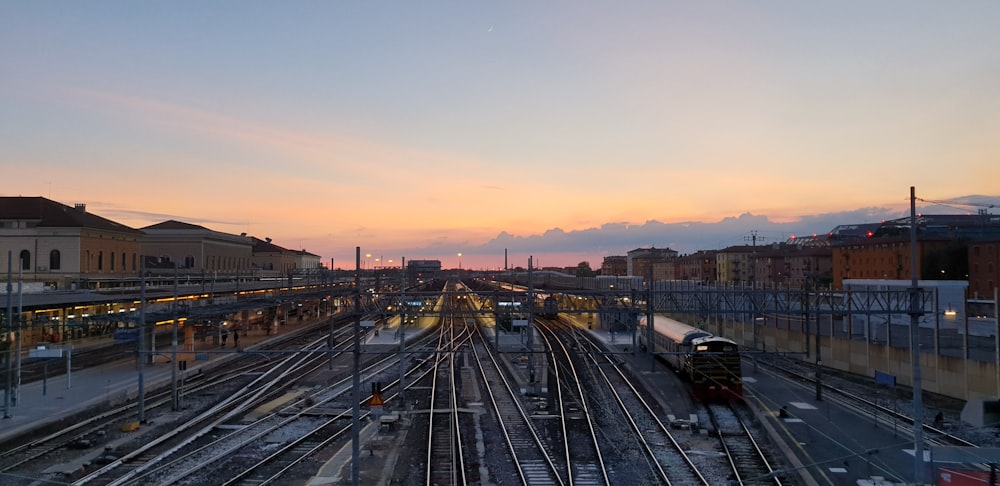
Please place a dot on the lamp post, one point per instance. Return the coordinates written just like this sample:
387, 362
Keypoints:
460, 261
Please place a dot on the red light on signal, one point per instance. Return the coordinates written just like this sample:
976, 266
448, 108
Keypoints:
870, 234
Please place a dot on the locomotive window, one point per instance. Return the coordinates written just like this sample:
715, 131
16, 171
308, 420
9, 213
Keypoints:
701, 347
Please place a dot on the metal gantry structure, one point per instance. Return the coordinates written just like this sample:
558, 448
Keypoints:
726, 302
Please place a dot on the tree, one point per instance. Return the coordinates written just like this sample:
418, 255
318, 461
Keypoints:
583, 270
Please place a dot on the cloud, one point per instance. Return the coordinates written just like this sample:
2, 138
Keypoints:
691, 236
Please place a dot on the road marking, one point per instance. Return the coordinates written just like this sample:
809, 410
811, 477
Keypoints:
802, 405
838, 470
749, 379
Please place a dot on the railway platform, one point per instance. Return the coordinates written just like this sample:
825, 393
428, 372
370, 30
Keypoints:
63, 396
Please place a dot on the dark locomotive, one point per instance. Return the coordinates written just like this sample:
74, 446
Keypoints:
710, 363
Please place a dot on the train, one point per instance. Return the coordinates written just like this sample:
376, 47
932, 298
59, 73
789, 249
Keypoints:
711, 364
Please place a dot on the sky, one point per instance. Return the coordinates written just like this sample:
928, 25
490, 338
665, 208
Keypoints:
566, 131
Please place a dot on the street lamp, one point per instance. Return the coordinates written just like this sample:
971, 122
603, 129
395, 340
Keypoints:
459, 261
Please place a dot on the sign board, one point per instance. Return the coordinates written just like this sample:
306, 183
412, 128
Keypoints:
884, 378
45, 352
520, 323
367, 323
376, 400
127, 334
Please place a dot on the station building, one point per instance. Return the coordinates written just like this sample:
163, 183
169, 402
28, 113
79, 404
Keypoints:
58, 247
197, 249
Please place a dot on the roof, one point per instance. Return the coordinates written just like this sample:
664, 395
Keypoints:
172, 224
265, 246
43, 212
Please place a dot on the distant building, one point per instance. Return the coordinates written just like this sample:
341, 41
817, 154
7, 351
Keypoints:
698, 267
307, 262
196, 249
809, 266
55, 246
734, 264
984, 269
422, 269
614, 266
270, 259
641, 262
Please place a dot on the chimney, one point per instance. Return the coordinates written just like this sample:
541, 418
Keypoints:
268, 240
82, 207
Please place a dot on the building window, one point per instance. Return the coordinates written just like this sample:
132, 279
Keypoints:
25, 260
134, 258
54, 260
100, 261
112, 261
123, 262
189, 261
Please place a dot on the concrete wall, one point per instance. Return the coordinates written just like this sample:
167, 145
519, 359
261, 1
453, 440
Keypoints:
949, 376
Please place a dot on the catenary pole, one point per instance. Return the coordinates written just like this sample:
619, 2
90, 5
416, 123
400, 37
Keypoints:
10, 310
17, 335
531, 324
175, 398
356, 380
402, 337
915, 311
141, 343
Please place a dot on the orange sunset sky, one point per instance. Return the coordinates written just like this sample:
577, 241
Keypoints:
426, 130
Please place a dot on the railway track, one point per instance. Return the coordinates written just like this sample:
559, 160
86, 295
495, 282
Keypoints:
668, 461
264, 388
748, 462
582, 449
98, 428
530, 456
445, 462
273, 465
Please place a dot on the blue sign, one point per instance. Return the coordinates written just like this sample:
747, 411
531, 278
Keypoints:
126, 334
884, 378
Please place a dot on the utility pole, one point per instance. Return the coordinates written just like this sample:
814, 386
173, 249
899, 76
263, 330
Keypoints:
141, 343
752, 238
819, 360
10, 326
531, 325
175, 398
915, 312
402, 336
356, 380
17, 335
